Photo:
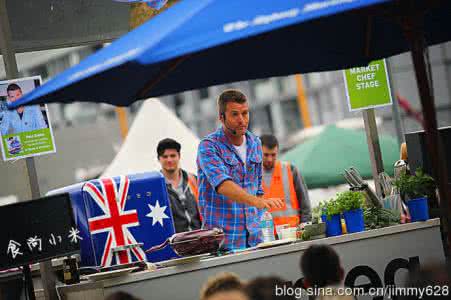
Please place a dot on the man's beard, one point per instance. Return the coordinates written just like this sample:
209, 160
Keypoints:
268, 168
172, 170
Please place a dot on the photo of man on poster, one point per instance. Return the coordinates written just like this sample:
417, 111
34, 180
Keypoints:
25, 131
23, 118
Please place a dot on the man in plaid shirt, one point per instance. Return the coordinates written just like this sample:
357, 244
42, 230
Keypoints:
229, 163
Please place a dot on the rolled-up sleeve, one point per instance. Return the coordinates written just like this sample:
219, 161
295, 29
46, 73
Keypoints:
260, 191
212, 164
302, 193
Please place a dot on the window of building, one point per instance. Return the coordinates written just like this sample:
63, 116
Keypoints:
260, 120
292, 119
203, 93
178, 104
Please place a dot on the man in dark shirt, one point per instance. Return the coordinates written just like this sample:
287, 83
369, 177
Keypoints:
182, 187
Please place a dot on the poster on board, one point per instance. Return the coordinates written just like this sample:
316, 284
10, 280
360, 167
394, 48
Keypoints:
25, 131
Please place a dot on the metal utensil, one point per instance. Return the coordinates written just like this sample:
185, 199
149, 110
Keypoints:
355, 180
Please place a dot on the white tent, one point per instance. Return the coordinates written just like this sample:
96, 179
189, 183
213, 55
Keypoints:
153, 123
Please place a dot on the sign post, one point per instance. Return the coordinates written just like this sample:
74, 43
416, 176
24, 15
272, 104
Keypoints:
368, 88
9, 59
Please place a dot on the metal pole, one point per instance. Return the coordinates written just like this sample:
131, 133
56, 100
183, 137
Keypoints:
9, 59
447, 72
395, 107
28, 282
122, 118
413, 30
374, 148
302, 102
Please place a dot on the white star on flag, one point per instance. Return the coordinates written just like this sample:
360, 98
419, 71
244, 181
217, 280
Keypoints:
157, 213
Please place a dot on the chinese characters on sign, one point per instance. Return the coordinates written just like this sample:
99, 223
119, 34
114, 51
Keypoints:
14, 249
45, 229
34, 243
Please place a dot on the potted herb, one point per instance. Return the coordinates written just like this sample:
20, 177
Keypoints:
416, 189
331, 216
350, 204
316, 229
317, 212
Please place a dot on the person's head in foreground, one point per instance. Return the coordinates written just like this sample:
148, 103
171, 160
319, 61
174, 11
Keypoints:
121, 296
267, 288
224, 286
321, 267
429, 282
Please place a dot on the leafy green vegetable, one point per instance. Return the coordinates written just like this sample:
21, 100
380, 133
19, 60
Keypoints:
331, 208
306, 236
380, 217
350, 200
317, 212
420, 185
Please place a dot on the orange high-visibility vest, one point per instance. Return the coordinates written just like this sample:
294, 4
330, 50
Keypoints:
282, 186
192, 183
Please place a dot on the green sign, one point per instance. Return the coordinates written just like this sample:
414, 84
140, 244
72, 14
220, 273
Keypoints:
368, 87
25, 131
26, 144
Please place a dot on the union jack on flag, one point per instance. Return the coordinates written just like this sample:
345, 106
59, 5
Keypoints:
111, 198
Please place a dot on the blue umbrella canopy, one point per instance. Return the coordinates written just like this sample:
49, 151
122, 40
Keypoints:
199, 43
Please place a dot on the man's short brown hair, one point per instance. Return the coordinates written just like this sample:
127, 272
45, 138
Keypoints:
13, 87
223, 282
230, 96
269, 141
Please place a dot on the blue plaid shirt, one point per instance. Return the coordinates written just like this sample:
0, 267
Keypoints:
218, 161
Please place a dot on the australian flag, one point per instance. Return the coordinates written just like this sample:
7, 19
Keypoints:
114, 213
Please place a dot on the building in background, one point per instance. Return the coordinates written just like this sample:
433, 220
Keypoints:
87, 135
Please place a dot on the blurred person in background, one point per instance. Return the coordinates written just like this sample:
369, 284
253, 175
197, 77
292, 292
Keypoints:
181, 185
283, 180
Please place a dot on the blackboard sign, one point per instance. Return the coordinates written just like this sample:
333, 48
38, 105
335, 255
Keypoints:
37, 230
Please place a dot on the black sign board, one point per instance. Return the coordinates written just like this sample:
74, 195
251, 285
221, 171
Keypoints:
418, 156
37, 230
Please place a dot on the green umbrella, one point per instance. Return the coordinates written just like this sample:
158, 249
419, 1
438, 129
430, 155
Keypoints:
323, 158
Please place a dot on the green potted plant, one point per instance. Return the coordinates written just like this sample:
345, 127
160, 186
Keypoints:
317, 212
350, 204
316, 229
415, 190
331, 216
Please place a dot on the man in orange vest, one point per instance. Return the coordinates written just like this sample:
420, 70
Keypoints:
181, 185
283, 180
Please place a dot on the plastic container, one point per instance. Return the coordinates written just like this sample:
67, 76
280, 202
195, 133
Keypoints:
289, 233
418, 208
354, 220
279, 230
333, 226
267, 227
